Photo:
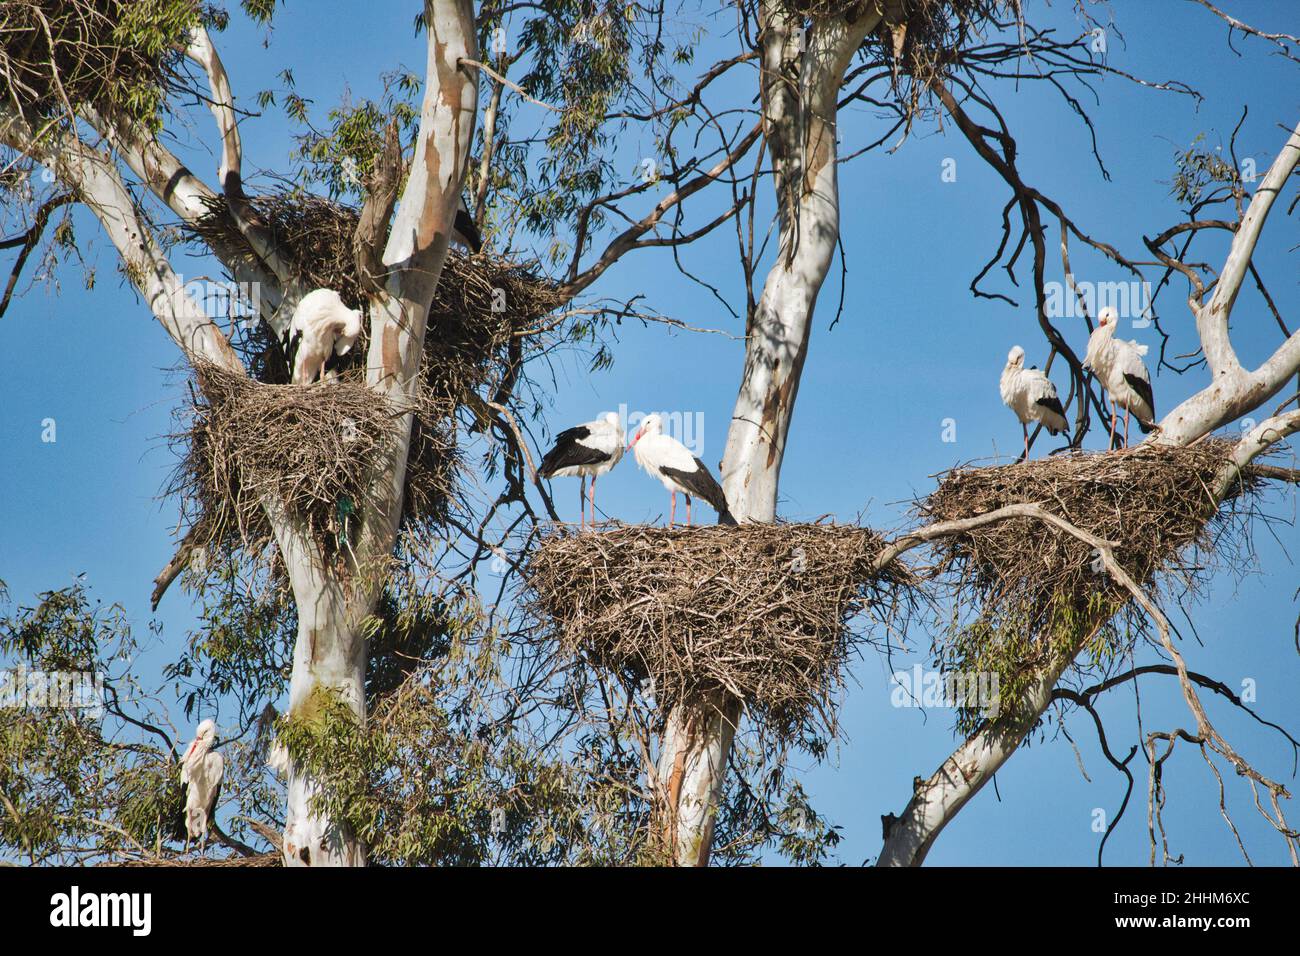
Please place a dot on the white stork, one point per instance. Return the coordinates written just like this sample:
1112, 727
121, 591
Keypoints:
1119, 367
201, 771
587, 451
1031, 395
672, 463
322, 327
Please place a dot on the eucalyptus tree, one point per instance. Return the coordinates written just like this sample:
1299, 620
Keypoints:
614, 86
73, 114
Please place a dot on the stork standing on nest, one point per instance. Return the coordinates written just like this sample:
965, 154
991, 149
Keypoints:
201, 771
672, 463
1119, 367
322, 327
1031, 395
585, 451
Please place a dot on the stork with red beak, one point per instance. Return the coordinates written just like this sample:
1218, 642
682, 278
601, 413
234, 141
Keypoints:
672, 463
201, 771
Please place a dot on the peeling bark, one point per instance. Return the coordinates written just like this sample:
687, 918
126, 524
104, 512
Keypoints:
799, 117
330, 649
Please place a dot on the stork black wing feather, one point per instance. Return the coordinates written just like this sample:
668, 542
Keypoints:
701, 484
1053, 404
468, 231
569, 452
1143, 389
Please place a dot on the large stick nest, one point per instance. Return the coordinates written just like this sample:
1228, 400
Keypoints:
56, 55
758, 611
1040, 591
921, 46
308, 449
1152, 501
482, 307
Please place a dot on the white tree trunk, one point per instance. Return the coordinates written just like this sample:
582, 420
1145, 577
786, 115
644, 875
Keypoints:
800, 128
329, 654
1234, 391
937, 800
330, 649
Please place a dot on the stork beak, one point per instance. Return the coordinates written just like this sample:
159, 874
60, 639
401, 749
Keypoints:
635, 438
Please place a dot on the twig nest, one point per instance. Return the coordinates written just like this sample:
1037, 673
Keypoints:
118, 55
1152, 501
758, 610
487, 312
307, 449
1039, 593
481, 301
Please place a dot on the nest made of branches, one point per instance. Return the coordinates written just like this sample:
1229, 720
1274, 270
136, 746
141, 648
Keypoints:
308, 449
920, 47
1043, 594
483, 303
56, 55
759, 611
1152, 501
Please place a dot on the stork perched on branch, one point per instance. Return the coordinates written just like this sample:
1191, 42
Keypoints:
1031, 395
585, 451
322, 327
201, 771
672, 463
1119, 367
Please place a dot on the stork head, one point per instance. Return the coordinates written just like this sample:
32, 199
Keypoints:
204, 735
1016, 357
1108, 317
349, 332
651, 425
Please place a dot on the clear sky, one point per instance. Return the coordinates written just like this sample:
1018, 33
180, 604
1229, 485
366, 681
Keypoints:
912, 349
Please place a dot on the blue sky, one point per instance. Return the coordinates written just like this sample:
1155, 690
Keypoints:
912, 349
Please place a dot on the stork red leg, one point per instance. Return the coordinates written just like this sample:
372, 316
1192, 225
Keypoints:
688, 511
1114, 420
1025, 428
672, 508
582, 502
591, 496
1126, 414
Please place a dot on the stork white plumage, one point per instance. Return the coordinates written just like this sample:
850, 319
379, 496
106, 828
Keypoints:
322, 327
1031, 395
1119, 367
585, 451
672, 463
201, 771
